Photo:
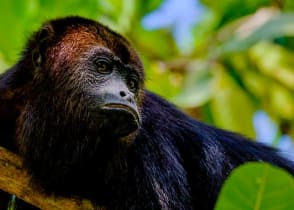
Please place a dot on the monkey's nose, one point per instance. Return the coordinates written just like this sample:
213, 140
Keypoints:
122, 93
127, 96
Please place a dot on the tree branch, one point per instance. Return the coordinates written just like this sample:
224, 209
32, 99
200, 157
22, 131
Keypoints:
15, 180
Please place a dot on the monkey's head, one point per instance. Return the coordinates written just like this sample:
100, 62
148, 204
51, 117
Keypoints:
82, 87
84, 74
93, 70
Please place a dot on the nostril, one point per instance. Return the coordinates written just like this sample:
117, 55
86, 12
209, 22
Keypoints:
127, 96
122, 93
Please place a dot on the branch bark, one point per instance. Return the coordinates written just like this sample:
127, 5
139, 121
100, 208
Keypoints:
15, 180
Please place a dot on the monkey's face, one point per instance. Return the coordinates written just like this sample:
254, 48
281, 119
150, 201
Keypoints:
112, 89
93, 79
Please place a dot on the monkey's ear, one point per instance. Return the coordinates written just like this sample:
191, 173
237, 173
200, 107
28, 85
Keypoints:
42, 39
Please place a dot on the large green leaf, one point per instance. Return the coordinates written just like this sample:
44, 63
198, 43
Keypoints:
257, 186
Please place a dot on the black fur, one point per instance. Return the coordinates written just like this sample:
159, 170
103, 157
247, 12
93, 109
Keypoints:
190, 159
171, 162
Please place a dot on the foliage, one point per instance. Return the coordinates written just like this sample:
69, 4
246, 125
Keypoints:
255, 186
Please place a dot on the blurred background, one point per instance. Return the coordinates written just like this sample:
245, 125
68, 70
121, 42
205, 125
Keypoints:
228, 63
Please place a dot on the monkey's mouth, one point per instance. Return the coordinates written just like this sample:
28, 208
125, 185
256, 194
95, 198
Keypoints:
123, 118
123, 107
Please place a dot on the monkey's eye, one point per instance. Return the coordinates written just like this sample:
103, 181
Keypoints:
132, 84
103, 66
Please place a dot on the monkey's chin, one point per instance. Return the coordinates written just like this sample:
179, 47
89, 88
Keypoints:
122, 120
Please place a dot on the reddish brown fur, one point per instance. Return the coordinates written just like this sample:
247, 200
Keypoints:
70, 47
78, 40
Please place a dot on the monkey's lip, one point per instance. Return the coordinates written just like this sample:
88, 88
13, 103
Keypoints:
122, 107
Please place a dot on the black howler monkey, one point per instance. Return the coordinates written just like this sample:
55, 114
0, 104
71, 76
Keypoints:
75, 108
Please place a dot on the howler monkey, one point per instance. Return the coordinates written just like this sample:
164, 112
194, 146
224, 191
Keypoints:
75, 108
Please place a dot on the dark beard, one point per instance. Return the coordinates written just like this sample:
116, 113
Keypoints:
63, 160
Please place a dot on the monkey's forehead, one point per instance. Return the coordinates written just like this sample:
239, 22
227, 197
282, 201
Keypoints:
76, 40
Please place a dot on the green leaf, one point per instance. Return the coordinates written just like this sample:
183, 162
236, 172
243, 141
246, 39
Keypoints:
148, 6
281, 101
162, 81
257, 186
274, 61
281, 25
155, 43
198, 86
231, 107
230, 10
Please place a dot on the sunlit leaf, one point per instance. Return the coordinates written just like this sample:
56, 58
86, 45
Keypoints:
148, 6
3, 64
155, 44
281, 25
231, 107
257, 186
281, 101
162, 81
256, 83
274, 61
198, 88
